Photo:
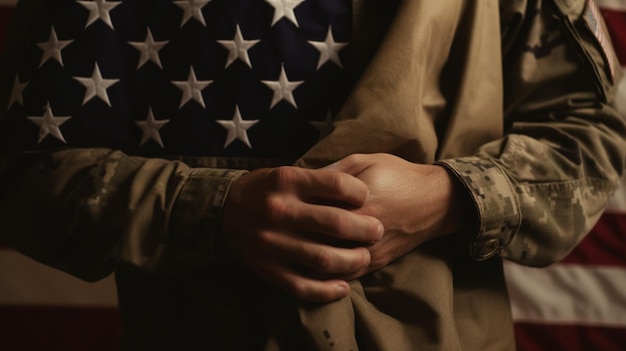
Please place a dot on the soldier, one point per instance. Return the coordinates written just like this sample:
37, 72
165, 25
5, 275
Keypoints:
465, 132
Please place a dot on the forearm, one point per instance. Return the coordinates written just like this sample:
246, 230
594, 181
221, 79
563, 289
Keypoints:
87, 210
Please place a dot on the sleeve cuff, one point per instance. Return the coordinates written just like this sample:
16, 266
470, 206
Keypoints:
195, 222
499, 215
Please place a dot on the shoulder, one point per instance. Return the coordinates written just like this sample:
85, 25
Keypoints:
585, 23
541, 26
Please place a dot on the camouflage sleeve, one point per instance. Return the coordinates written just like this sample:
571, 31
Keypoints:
84, 211
540, 189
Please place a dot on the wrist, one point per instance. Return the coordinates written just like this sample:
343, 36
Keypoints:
461, 212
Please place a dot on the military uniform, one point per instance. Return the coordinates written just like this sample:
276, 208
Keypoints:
513, 97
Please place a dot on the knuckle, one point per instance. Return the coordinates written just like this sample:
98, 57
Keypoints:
265, 238
339, 184
355, 158
338, 223
298, 289
276, 208
283, 176
359, 259
323, 261
346, 187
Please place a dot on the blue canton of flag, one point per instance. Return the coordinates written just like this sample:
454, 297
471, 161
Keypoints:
228, 78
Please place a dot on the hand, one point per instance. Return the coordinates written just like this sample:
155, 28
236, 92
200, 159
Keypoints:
415, 203
287, 224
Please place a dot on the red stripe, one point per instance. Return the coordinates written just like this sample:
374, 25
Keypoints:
68, 329
605, 245
616, 23
541, 337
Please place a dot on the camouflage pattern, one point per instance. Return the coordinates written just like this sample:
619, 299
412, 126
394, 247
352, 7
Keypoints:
541, 188
522, 115
95, 208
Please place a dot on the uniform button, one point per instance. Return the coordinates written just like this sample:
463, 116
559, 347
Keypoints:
487, 248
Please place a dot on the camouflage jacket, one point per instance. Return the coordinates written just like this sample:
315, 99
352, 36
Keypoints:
514, 97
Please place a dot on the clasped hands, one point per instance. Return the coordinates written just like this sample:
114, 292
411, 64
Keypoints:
310, 231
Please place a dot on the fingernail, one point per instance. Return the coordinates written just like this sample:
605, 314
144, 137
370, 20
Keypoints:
368, 259
380, 230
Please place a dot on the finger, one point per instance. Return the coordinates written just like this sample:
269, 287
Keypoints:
301, 286
322, 184
336, 223
319, 258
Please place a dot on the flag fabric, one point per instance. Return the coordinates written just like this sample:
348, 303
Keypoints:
577, 304
130, 75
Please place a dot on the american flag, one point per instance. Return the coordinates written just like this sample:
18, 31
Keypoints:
578, 304
228, 78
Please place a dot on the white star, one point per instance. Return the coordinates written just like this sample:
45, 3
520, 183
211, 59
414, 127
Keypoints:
284, 8
237, 129
325, 126
329, 49
52, 48
192, 88
49, 125
150, 128
149, 50
17, 93
96, 86
192, 8
238, 48
99, 9
283, 88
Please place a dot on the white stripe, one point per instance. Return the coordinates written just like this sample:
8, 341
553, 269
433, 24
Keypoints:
617, 204
29, 283
619, 5
568, 294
